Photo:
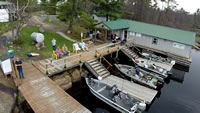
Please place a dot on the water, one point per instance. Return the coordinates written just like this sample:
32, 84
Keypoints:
174, 97
181, 97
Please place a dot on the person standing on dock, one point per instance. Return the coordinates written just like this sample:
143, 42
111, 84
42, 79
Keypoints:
54, 44
18, 64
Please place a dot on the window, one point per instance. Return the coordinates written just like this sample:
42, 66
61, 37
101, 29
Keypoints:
138, 35
132, 33
155, 41
179, 46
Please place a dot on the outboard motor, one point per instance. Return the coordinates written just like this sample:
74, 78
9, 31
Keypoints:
173, 62
142, 106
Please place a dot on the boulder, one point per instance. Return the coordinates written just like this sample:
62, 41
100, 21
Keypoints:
75, 75
41, 30
66, 86
64, 81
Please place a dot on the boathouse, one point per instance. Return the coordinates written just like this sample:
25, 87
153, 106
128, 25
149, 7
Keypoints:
164, 39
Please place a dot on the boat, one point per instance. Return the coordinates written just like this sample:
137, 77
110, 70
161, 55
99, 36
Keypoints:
156, 58
140, 76
114, 97
152, 68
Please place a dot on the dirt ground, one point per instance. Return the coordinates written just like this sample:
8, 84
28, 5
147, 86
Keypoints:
8, 94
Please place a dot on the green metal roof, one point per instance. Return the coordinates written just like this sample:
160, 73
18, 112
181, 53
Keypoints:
118, 24
177, 35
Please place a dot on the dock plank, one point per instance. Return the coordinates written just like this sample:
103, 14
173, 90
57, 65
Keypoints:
44, 96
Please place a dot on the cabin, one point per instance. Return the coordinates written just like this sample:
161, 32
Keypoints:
164, 39
5, 14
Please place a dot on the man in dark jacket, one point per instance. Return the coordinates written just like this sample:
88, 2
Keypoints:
18, 64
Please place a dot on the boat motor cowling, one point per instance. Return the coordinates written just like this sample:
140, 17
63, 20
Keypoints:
142, 106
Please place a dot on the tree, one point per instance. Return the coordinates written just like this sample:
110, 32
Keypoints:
19, 12
69, 12
197, 19
111, 9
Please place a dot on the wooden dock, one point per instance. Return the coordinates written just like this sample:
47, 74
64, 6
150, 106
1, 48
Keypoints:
51, 66
97, 69
44, 96
137, 91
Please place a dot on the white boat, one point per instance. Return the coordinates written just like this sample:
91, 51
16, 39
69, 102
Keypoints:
152, 68
117, 99
140, 76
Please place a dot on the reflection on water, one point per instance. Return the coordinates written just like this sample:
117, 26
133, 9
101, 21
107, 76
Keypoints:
180, 95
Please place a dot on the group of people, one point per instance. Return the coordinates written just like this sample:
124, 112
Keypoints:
80, 46
58, 50
64, 50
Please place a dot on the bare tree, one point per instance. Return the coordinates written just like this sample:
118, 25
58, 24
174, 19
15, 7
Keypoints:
18, 12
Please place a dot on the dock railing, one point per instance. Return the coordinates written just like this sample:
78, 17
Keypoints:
108, 49
63, 63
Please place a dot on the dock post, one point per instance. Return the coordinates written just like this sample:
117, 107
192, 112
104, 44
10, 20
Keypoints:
81, 68
65, 64
100, 59
80, 59
47, 69
117, 54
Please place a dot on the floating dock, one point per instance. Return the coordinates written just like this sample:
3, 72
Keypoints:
179, 60
44, 96
136, 90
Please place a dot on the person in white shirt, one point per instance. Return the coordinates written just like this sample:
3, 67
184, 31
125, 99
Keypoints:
54, 44
76, 47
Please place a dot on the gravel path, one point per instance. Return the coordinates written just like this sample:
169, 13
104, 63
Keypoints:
65, 36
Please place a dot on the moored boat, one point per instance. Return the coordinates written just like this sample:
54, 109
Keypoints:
156, 58
152, 68
117, 99
140, 76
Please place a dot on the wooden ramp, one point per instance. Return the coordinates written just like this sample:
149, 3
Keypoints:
129, 53
44, 96
133, 89
97, 69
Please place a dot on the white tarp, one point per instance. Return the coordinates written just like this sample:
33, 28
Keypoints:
6, 66
4, 16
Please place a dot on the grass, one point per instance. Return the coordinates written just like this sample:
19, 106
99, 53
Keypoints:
5, 26
76, 34
77, 29
25, 43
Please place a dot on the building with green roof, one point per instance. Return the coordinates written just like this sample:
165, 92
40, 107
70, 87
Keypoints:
166, 39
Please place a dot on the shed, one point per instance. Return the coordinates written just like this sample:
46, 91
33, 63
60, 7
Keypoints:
171, 40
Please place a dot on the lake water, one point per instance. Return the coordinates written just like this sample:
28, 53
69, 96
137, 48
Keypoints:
174, 97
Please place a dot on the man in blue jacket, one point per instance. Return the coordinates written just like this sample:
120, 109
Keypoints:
18, 64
